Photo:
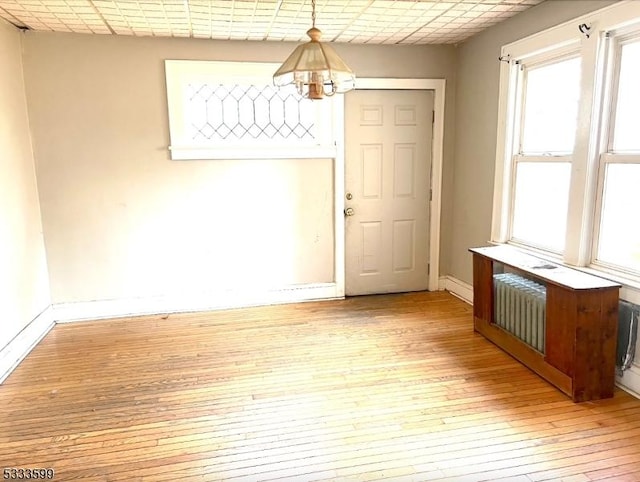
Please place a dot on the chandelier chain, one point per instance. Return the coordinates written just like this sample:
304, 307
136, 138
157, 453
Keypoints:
313, 13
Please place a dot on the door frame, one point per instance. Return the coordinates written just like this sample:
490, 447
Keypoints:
438, 88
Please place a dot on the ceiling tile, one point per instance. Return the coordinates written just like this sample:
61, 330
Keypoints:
356, 21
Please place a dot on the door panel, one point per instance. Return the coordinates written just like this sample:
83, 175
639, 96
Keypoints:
371, 171
404, 233
388, 163
371, 247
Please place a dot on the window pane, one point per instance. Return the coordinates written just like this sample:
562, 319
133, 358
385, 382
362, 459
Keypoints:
540, 207
619, 229
258, 114
626, 134
551, 107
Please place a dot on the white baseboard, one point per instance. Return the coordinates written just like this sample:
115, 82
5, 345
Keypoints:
630, 381
442, 283
18, 348
458, 288
101, 309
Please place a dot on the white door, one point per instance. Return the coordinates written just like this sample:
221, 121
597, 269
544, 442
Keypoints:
387, 184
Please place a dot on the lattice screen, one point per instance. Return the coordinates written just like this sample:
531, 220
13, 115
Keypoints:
226, 112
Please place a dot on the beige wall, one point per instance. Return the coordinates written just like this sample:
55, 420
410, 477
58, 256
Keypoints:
476, 122
123, 221
24, 288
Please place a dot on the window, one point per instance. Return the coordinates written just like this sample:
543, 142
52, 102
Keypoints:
550, 106
232, 110
568, 153
540, 204
618, 243
625, 127
548, 103
220, 113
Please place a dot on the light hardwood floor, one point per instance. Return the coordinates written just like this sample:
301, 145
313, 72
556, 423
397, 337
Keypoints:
391, 387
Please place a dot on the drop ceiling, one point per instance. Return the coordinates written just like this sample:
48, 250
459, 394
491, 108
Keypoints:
354, 21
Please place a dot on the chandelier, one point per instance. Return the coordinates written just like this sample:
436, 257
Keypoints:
315, 68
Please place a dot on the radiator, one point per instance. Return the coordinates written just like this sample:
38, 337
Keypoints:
628, 315
520, 306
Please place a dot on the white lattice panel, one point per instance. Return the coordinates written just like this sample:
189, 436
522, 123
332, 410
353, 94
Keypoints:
355, 21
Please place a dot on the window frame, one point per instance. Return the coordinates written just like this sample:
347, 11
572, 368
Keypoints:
180, 72
536, 49
615, 40
521, 68
593, 137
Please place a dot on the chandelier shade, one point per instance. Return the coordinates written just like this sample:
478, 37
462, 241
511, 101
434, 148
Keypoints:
315, 69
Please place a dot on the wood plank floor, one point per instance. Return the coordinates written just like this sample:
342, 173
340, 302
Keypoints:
393, 387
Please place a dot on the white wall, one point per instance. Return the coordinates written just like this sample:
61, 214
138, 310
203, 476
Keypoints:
476, 122
24, 287
122, 221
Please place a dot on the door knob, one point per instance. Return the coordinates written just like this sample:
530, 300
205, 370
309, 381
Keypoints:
349, 212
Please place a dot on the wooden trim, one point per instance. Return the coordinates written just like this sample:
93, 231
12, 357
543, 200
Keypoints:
436, 182
560, 328
339, 253
596, 339
483, 290
504, 152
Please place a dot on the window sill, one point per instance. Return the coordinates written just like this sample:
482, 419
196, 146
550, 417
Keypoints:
539, 252
630, 290
181, 153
